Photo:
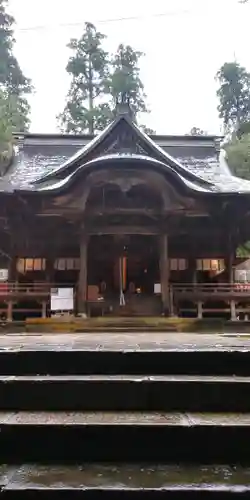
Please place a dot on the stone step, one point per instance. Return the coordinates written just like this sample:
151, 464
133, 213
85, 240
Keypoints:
125, 392
125, 481
61, 437
60, 360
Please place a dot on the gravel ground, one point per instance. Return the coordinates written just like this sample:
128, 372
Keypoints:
123, 341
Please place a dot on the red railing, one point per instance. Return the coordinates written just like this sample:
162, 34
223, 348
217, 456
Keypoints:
211, 289
202, 297
30, 289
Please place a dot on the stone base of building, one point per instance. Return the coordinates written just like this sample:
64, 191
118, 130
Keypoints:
127, 324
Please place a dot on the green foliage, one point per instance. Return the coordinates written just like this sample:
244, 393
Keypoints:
77, 118
243, 250
243, 129
238, 155
197, 131
234, 109
11, 75
147, 130
5, 123
234, 95
12, 115
97, 79
10, 122
88, 67
13, 84
125, 78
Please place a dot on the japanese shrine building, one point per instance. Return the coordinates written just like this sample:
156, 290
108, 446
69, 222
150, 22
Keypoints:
130, 221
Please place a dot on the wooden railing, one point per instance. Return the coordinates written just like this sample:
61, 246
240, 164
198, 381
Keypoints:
198, 299
13, 294
229, 298
30, 289
212, 290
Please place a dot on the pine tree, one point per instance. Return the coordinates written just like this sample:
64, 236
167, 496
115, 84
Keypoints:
234, 95
14, 85
97, 79
125, 78
88, 67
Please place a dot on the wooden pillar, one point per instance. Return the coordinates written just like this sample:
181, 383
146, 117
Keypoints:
82, 282
44, 309
199, 310
50, 270
230, 260
230, 269
164, 273
233, 310
230, 274
9, 311
171, 301
12, 270
192, 270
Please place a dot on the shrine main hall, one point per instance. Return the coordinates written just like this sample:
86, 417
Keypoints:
133, 224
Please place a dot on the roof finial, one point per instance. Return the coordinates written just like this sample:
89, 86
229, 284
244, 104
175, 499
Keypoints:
123, 105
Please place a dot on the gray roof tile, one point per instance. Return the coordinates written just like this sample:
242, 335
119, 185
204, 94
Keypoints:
37, 158
32, 162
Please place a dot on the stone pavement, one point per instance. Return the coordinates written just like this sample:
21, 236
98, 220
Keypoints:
124, 341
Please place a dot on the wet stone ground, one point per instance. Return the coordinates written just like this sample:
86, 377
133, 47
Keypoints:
65, 418
125, 476
124, 341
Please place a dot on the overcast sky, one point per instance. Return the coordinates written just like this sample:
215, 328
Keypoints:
184, 41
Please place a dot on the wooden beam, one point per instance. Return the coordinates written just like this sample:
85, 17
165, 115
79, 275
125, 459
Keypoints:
82, 283
164, 271
147, 230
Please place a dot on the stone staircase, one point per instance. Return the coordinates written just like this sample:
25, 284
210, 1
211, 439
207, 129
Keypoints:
139, 306
124, 424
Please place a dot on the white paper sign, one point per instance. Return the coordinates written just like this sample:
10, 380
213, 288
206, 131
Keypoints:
242, 275
62, 299
4, 274
157, 288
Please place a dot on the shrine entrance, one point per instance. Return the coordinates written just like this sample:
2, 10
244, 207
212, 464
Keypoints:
126, 245
123, 270
130, 263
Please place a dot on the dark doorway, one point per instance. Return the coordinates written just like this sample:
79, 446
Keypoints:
140, 257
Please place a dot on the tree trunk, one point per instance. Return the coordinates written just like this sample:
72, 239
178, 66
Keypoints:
91, 98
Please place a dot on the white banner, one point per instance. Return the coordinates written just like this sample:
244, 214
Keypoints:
62, 299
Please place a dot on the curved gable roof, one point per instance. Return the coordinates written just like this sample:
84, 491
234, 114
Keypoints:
44, 160
121, 137
179, 182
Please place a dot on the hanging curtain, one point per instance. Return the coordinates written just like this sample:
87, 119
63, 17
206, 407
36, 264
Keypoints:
124, 273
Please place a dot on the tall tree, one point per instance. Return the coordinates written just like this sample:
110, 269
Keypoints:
238, 155
97, 79
11, 120
234, 95
125, 78
12, 80
88, 67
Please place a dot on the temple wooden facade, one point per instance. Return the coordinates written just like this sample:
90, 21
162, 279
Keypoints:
135, 224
